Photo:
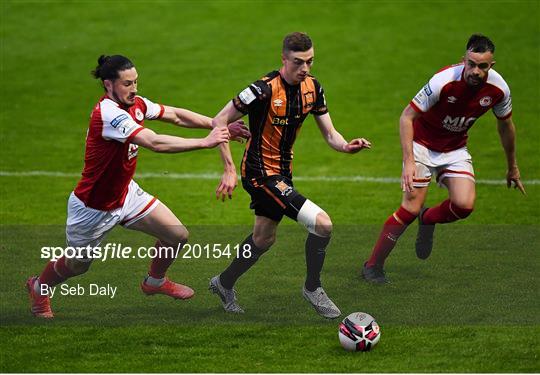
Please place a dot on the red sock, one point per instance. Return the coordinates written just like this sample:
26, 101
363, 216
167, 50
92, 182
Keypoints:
55, 273
162, 261
394, 226
446, 212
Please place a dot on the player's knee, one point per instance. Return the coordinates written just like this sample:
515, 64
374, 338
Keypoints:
308, 216
466, 203
412, 205
183, 235
176, 236
462, 210
77, 266
264, 241
323, 226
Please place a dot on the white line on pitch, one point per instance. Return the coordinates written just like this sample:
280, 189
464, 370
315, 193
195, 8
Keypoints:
213, 176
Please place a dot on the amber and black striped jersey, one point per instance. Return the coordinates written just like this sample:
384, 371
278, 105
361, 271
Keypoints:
276, 113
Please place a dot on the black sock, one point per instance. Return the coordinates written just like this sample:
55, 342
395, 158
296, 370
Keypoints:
315, 253
240, 265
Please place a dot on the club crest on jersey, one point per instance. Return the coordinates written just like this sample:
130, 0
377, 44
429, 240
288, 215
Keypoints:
486, 101
309, 99
138, 114
458, 124
284, 188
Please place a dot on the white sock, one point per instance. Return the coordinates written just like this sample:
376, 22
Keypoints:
154, 282
37, 287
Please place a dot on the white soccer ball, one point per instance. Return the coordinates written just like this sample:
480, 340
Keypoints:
359, 332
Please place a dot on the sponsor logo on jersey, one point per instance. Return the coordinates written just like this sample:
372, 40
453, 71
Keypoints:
278, 102
422, 97
452, 99
284, 188
280, 120
458, 124
118, 119
486, 101
133, 150
246, 96
138, 114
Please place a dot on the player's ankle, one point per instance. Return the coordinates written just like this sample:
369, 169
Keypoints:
153, 281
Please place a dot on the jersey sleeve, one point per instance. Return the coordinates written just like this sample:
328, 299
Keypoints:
252, 96
117, 123
319, 108
503, 109
153, 111
428, 95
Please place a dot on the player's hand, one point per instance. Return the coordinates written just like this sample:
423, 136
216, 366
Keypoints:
407, 175
513, 178
227, 185
238, 131
356, 145
217, 136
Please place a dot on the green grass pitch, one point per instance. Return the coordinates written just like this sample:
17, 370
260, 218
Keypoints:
472, 307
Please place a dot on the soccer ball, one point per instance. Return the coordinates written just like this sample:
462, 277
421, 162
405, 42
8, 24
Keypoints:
359, 332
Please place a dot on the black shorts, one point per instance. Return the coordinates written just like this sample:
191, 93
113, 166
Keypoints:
273, 197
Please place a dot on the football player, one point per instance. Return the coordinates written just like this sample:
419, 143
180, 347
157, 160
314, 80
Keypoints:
277, 106
433, 132
107, 195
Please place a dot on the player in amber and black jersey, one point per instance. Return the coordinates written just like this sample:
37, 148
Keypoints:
277, 106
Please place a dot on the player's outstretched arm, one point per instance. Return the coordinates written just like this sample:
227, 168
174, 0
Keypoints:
188, 119
507, 132
229, 180
170, 144
406, 133
336, 140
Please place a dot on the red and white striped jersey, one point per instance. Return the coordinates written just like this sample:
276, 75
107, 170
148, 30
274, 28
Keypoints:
449, 107
110, 158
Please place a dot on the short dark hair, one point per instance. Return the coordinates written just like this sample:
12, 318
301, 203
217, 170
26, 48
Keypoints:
297, 42
109, 66
480, 43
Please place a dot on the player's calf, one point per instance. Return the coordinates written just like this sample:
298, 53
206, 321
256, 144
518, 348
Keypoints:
393, 228
166, 254
319, 226
446, 212
55, 272
77, 266
245, 260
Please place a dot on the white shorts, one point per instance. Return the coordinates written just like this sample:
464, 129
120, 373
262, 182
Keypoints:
457, 163
87, 226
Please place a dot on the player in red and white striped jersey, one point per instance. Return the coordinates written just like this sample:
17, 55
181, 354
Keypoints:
107, 195
433, 132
